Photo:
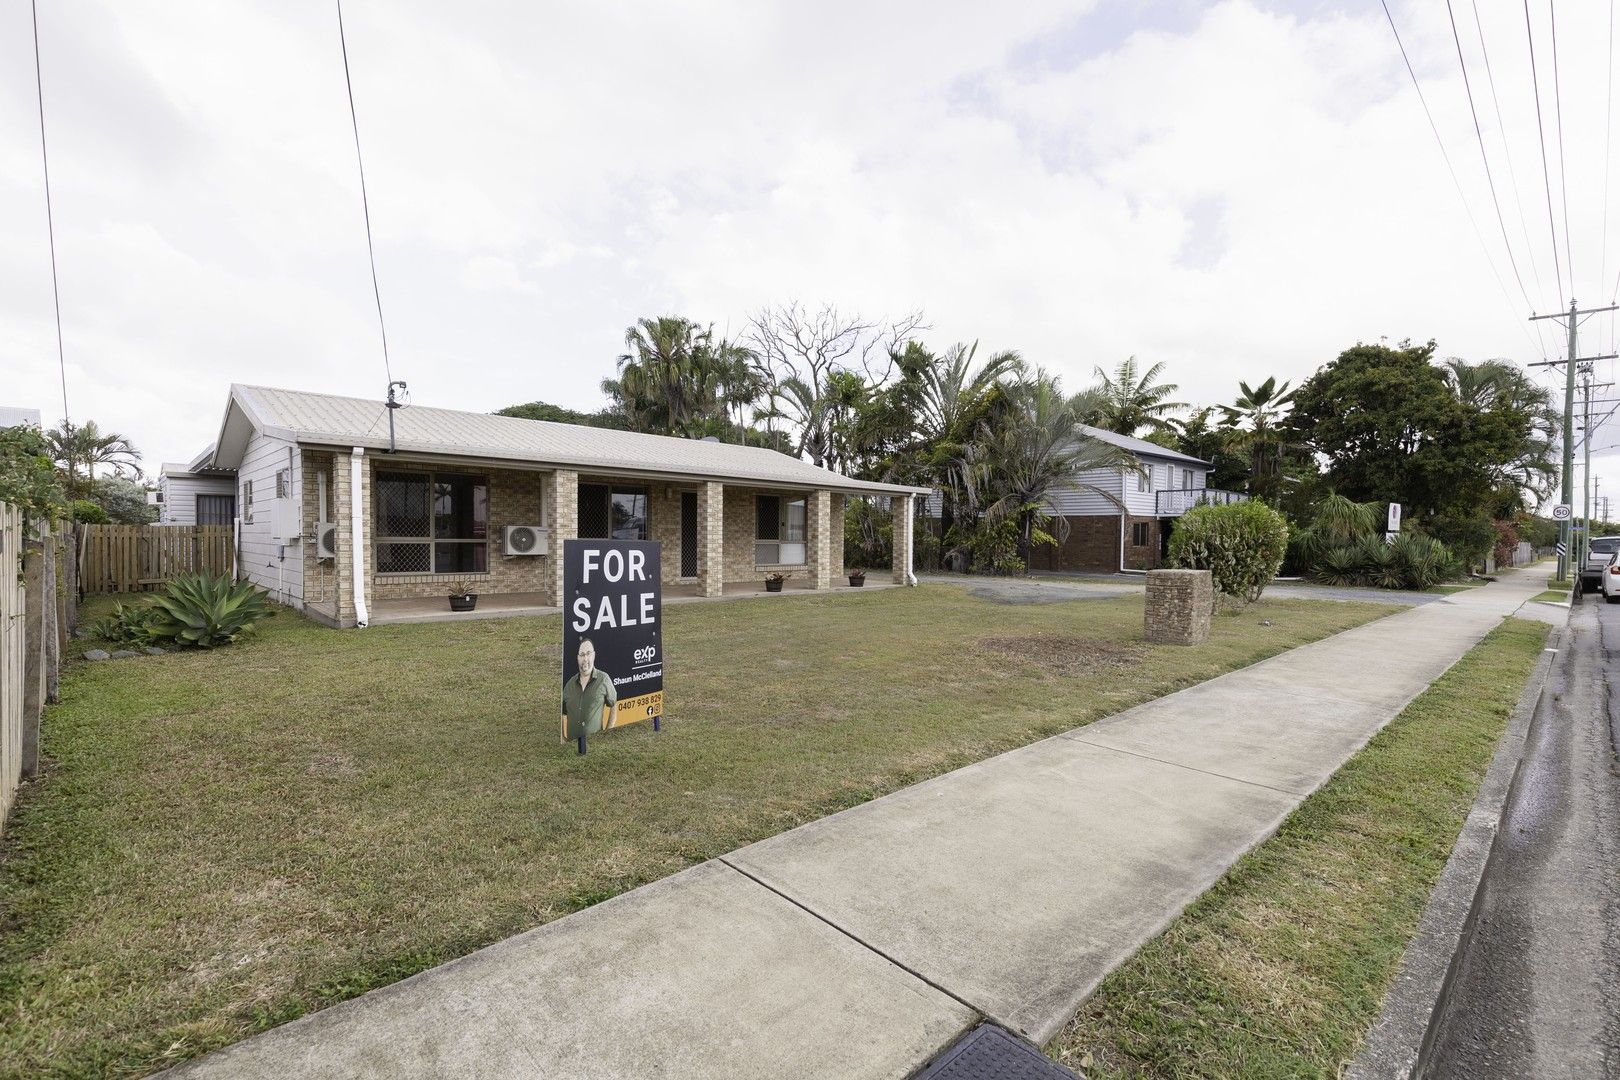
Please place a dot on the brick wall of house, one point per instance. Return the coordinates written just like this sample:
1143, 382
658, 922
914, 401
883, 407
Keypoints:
320, 575
1092, 543
1143, 556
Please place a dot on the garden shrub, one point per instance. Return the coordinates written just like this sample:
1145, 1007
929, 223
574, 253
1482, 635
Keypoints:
129, 624
1240, 544
88, 513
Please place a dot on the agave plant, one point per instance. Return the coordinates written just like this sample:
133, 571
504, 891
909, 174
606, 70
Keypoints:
206, 611
127, 624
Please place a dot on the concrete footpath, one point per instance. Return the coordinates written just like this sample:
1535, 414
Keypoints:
864, 944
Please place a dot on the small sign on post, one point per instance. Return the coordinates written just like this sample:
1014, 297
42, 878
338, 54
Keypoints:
613, 656
1392, 527
1561, 512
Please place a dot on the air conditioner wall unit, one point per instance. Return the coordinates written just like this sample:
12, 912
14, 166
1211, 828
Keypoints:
525, 540
325, 540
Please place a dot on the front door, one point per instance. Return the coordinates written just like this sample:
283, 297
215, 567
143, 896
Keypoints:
689, 534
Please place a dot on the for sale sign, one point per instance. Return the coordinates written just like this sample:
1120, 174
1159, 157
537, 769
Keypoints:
613, 655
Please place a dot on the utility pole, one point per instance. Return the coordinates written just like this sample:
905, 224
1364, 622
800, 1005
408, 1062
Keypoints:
1586, 464
1568, 497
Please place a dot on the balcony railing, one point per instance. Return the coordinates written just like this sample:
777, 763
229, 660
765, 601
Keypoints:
1176, 503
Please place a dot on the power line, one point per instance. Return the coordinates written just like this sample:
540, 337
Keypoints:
50, 217
1546, 174
1480, 236
1507, 154
1479, 136
365, 203
1563, 171
1608, 131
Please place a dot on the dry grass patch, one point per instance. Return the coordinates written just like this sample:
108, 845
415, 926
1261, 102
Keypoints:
1058, 654
228, 840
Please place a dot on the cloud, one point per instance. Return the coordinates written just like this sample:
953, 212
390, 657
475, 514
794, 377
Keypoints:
1237, 189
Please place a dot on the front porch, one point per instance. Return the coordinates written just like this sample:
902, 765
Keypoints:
426, 525
432, 609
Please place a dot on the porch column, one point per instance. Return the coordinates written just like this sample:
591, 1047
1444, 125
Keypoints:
711, 527
900, 508
562, 514
820, 530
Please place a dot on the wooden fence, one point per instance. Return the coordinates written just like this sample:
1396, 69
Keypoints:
12, 656
38, 609
133, 558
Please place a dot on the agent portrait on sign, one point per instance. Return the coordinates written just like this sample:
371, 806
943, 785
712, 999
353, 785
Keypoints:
587, 694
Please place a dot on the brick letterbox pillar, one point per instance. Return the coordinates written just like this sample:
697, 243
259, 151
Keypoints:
1179, 606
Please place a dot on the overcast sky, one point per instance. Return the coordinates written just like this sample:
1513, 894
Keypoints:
1239, 189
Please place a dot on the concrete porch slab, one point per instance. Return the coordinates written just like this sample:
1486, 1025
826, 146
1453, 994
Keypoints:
701, 975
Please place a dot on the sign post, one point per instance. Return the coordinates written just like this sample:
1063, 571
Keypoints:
1392, 527
613, 633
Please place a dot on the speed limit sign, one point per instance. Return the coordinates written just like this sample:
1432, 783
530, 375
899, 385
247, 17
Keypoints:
1561, 512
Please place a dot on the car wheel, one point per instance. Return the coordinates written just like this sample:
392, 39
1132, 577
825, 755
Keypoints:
1613, 599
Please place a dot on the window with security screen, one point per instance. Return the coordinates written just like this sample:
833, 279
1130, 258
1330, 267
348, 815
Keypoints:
430, 523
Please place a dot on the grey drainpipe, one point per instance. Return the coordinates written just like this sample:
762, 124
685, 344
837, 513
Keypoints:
357, 535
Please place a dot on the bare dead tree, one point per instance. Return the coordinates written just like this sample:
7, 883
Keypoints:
799, 351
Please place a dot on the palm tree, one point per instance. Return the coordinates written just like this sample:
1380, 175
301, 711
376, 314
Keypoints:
1499, 384
87, 446
675, 379
1129, 401
1255, 420
951, 402
1016, 469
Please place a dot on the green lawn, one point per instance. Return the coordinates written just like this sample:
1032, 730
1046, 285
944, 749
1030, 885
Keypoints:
1279, 970
226, 840
1556, 596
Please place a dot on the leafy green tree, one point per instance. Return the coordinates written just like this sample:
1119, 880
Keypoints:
1129, 400
124, 501
28, 477
78, 449
1391, 430
1200, 436
557, 414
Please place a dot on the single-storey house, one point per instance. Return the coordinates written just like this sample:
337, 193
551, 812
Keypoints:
342, 512
1120, 518
195, 492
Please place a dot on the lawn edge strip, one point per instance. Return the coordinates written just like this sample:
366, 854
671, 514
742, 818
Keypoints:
1399, 1039
1176, 1007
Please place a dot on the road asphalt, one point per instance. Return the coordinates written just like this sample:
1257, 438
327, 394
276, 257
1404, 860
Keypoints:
864, 944
1536, 990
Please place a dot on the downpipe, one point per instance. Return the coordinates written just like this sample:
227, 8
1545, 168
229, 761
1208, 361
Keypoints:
357, 535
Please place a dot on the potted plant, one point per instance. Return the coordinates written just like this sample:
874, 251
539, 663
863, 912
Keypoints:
857, 577
773, 582
462, 597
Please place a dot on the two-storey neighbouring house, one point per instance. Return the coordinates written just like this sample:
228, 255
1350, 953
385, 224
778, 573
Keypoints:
1120, 518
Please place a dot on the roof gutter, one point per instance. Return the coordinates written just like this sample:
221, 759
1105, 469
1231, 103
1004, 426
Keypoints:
357, 534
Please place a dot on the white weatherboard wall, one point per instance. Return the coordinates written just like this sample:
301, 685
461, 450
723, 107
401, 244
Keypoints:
1164, 476
266, 560
180, 493
1090, 502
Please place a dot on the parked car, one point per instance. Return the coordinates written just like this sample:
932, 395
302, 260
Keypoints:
1611, 579
1597, 561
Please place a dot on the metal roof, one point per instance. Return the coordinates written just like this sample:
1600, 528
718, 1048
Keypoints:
1140, 447
330, 420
